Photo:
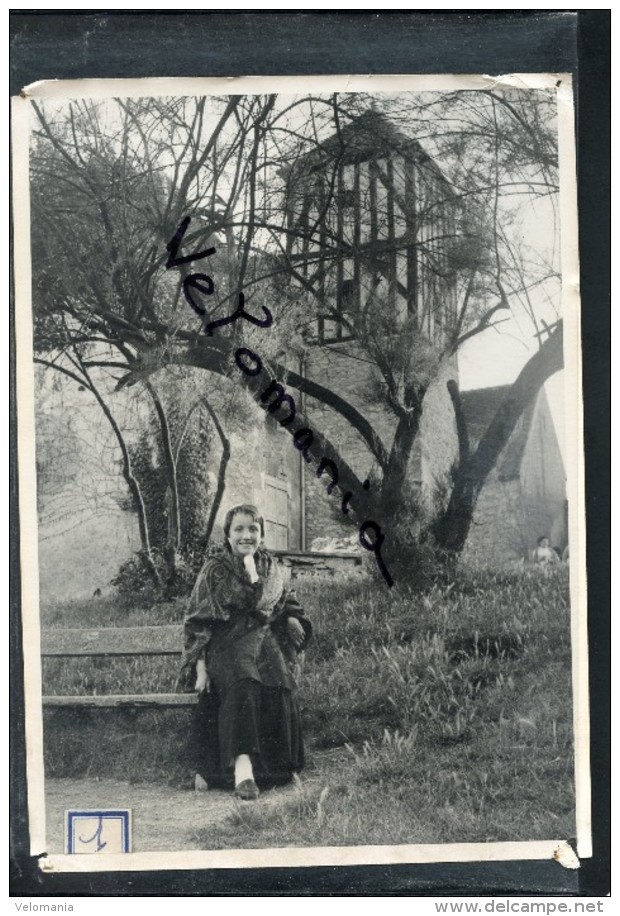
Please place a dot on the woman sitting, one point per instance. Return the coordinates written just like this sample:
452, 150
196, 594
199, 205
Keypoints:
243, 635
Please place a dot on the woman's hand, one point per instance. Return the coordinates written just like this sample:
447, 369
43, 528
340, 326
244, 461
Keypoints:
296, 632
202, 678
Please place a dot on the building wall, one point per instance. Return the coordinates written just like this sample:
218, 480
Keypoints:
543, 480
242, 479
438, 438
512, 514
264, 454
282, 462
349, 375
393, 210
499, 528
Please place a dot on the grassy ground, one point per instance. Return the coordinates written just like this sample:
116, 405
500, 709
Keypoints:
440, 717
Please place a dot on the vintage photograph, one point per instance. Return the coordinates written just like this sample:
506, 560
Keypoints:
300, 428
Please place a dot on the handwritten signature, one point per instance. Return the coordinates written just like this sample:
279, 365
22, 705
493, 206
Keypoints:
96, 837
250, 364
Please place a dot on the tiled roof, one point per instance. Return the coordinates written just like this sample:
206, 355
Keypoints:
366, 135
371, 134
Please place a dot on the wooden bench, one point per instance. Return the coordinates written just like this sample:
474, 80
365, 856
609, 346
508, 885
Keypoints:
115, 642
166, 640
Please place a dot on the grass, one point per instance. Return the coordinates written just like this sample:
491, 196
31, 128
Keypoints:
72, 676
437, 717
109, 611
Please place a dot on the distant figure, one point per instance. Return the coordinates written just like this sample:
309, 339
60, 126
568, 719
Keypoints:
97, 593
543, 554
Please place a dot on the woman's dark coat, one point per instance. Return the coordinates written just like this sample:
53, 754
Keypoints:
240, 629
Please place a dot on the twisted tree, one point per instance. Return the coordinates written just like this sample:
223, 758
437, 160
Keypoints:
157, 221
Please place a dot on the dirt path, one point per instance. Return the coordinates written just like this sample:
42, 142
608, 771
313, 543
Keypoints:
162, 818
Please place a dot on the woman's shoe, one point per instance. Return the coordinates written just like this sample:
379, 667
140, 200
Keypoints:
247, 790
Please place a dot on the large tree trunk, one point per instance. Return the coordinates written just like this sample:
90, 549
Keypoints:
173, 541
396, 473
452, 528
134, 488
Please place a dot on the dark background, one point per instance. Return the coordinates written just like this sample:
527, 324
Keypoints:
60, 44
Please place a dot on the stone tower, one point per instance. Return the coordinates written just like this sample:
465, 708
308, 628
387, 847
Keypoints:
373, 218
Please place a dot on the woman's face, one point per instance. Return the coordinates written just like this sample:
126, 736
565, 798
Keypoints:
244, 536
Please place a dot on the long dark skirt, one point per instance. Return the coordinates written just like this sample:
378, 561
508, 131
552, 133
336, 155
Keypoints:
250, 718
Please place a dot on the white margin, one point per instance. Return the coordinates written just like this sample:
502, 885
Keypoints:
559, 850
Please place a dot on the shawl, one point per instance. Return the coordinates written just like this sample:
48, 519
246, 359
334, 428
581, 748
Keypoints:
222, 592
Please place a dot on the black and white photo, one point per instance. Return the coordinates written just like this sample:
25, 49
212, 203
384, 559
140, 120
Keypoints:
301, 470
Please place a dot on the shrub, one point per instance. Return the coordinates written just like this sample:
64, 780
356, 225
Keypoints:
135, 584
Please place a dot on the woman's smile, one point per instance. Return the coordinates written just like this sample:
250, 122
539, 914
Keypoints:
242, 635
245, 534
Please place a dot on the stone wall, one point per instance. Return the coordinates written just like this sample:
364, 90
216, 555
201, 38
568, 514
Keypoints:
544, 480
438, 438
512, 514
304, 565
499, 526
343, 371
347, 372
243, 482
265, 451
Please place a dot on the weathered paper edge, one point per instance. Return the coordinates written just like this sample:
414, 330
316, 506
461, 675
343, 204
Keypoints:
27, 476
575, 473
312, 857
241, 85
